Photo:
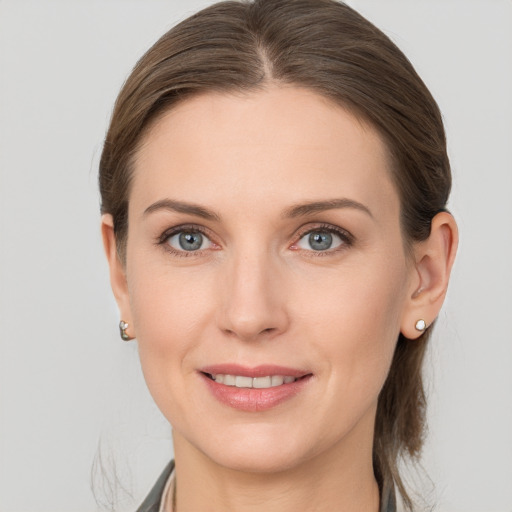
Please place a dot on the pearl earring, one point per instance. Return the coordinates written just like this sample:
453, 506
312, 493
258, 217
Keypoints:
122, 331
421, 325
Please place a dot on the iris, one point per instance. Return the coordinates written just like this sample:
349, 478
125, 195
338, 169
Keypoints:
320, 241
190, 241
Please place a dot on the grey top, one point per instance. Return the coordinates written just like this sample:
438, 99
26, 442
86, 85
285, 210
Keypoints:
153, 499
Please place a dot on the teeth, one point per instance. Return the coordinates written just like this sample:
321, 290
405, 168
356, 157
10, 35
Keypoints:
241, 381
277, 380
262, 382
229, 380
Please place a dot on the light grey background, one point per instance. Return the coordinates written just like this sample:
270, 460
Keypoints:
67, 382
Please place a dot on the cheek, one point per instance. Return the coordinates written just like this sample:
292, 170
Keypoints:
355, 323
167, 324
165, 300
169, 308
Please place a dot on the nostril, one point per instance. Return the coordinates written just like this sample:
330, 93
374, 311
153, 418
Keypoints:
248, 335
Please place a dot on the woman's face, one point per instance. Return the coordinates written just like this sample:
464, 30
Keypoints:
264, 242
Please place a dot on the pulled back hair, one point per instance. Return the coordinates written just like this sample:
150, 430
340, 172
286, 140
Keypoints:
327, 47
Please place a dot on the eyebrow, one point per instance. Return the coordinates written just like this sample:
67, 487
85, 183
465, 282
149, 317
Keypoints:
301, 210
181, 207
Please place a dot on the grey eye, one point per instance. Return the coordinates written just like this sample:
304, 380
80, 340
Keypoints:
189, 241
320, 240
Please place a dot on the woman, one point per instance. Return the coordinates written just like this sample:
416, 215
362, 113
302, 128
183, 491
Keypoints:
274, 185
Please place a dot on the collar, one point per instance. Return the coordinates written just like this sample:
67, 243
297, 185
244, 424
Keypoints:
153, 499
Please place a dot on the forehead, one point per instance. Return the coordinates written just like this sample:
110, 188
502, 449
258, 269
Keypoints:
281, 142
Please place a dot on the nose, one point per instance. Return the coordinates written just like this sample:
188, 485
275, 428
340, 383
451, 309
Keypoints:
253, 298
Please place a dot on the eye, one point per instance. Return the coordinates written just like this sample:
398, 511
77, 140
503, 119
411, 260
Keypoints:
322, 239
188, 240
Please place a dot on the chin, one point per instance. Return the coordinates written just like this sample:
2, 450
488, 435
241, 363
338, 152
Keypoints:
257, 450
257, 462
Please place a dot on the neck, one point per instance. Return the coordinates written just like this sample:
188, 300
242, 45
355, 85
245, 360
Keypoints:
341, 479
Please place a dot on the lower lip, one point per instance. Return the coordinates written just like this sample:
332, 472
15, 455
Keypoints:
254, 399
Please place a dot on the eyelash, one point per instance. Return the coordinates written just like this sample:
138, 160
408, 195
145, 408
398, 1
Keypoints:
346, 238
189, 228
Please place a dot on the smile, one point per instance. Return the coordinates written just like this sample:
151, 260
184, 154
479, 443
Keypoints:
241, 381
254, 389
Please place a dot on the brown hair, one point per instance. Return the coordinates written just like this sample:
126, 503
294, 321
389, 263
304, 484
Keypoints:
329, 48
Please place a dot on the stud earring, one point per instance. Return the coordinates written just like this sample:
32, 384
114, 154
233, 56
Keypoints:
421, 325
122, 331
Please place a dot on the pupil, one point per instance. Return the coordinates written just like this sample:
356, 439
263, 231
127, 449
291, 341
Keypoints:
320, 241
191, 241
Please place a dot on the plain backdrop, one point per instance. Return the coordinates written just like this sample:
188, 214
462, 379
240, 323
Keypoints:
72, 399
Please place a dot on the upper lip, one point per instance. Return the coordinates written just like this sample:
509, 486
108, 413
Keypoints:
263, 370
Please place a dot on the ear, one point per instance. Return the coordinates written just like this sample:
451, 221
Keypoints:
117, 272
433, 264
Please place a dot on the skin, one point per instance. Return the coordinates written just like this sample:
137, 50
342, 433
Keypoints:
257, 293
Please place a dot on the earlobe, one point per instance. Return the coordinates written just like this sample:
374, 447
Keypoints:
434, 259
117, 269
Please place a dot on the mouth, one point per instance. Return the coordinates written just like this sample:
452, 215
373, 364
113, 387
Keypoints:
254, 389
242, 381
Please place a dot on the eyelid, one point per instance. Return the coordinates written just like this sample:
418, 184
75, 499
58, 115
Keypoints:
191, 228
345, 236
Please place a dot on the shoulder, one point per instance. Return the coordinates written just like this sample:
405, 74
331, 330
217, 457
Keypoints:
153, 499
